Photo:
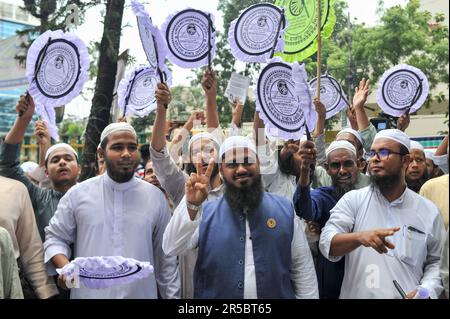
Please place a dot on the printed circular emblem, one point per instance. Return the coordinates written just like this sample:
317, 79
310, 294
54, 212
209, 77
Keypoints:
256, 29
105, 271
148, 42
143, 91
271, 223
59, 68
187, 38
118, 271
152, 41
331, 94
277, 97
401, 88
136, 92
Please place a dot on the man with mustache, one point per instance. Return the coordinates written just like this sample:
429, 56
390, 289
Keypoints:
115, 214
250, 243
387, 209
417, 172
315, 205
61, 166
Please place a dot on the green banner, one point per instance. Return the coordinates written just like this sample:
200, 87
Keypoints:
301, 35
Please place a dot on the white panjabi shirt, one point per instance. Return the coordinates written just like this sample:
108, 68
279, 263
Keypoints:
104, 218
418, 244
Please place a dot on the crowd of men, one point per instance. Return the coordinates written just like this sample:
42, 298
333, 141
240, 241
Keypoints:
235, 217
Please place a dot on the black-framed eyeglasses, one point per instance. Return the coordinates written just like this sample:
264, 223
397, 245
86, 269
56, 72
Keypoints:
382, 154
345, 164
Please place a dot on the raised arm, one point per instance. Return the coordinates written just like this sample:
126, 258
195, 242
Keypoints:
25, 106
258, 130
321, 115
209, 85
359, 99
238, 109
44, 141
163, 97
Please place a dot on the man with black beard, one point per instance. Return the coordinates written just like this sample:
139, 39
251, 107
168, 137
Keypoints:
315, 205
250, 243
417, 171
115, 214
403, 231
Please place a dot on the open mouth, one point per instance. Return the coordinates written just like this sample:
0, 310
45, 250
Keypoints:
63, 171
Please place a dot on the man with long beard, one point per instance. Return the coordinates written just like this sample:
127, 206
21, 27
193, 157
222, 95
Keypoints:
315, 205
366, 217
115, 214
250, 243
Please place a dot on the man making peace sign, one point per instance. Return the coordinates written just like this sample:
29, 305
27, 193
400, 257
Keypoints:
250, 243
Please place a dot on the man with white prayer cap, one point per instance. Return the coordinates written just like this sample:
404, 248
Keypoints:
115, 214
172, 178
385, 231
315, 205
61, 166
417, 172
250, 242
432, 168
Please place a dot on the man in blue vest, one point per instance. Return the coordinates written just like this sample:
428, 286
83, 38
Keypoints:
250, 243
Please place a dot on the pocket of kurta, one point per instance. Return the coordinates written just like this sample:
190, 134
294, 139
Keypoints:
413, 248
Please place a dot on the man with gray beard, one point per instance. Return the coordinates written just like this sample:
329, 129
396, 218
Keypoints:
315, 205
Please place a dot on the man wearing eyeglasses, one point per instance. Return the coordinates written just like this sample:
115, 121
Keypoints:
315, 205
386, 231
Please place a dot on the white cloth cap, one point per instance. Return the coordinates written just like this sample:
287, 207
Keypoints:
235, 142
200, 136
429, 154
395, 135
117, 127
416, 145
29, 166
353, 132
337, 145
60, 146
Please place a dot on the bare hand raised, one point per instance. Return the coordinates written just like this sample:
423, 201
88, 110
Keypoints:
25, 106
42, 132
197, 185
163, 95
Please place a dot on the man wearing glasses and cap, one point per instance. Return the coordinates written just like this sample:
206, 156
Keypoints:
403, 232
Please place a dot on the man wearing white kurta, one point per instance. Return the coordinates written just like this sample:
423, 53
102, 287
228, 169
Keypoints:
115, 214
404, 229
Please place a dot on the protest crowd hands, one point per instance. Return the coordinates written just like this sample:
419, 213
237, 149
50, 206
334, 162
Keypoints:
377, 239
163, 95
25, 106
403, 121
361, 93
42, 132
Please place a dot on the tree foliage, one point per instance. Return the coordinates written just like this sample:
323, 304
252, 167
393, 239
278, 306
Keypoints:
404, 35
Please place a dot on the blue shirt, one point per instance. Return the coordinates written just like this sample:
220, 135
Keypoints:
315, 206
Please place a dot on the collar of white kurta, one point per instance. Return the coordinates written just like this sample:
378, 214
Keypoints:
396, 202
133, 182
105, 271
